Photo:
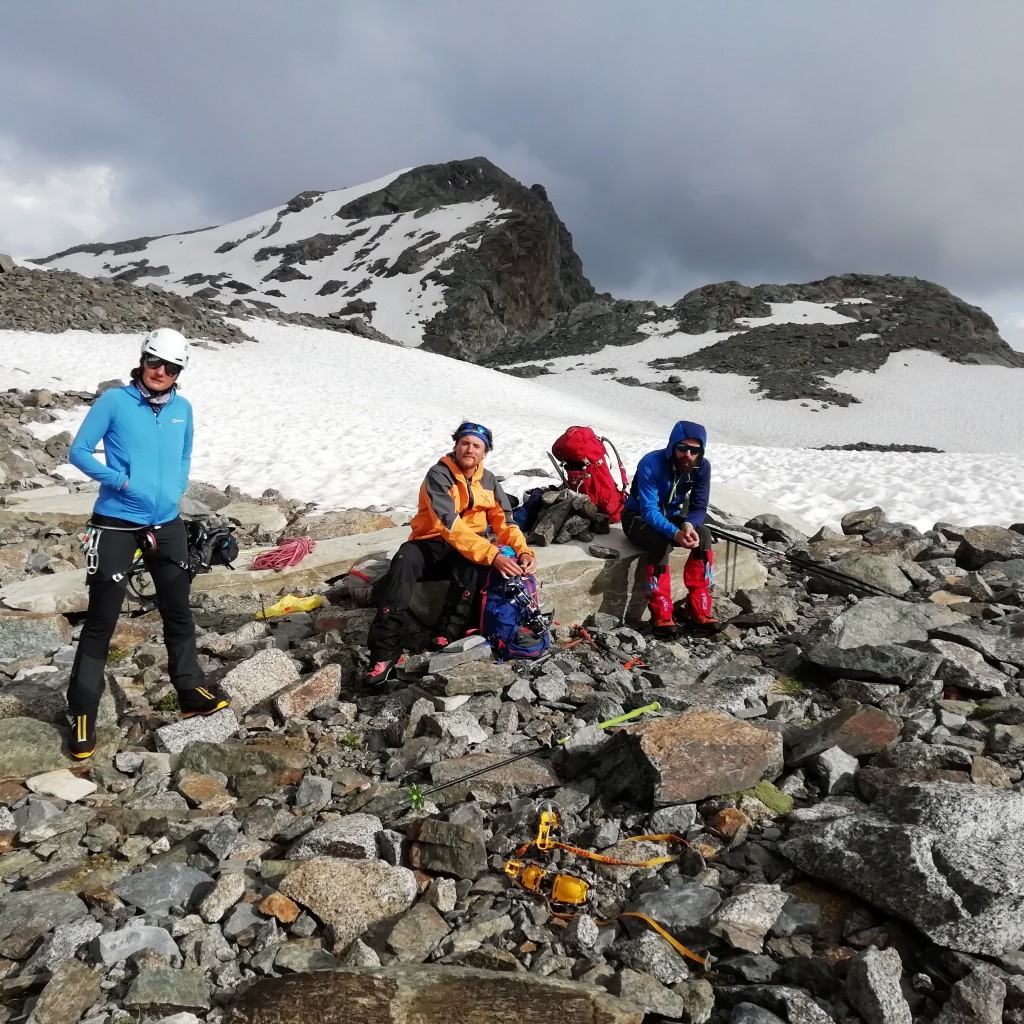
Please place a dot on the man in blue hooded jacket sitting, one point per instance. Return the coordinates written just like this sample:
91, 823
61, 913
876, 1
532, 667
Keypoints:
666, 506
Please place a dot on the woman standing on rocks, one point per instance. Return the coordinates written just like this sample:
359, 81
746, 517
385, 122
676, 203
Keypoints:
146, 430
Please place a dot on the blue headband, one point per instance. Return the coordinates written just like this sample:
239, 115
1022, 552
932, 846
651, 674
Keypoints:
474, 430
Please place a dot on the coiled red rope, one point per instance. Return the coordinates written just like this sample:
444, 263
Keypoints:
289, 552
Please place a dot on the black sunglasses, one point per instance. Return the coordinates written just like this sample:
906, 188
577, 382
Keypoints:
155, 362
693, 449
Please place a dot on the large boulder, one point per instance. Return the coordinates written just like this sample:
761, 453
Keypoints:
29, 747
984, 544
945, 857
343, 523
887, 620
24, 634
350, 895
686, 758
427, 994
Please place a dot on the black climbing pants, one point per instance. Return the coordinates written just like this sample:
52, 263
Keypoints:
655, 544
419, 561
116, 550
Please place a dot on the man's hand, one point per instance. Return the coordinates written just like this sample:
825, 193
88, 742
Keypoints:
527, 561
507, 566
687, 537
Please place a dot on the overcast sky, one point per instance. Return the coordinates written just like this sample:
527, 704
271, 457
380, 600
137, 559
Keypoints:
681, 142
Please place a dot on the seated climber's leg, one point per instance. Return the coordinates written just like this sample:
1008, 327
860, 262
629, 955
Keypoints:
697, 575
658, 583
463, 586
393, 593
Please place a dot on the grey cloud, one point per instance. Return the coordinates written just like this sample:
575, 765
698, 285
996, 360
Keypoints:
681, 143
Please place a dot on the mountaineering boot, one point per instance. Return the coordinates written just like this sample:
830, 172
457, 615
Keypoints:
84, 692
380, 671
83, 736
659, 602
201, 700
183, 665
697, 578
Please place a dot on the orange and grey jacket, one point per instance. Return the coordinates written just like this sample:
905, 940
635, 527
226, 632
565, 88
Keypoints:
459, 511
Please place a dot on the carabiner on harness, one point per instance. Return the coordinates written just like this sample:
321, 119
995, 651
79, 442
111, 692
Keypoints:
91, 546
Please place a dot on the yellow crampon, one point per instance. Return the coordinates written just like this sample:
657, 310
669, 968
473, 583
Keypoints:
565, 890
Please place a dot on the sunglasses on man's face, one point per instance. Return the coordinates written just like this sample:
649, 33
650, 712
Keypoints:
155, 362
693, 449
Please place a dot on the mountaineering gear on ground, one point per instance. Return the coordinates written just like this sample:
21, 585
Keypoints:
565, 893
808, 565
148, 454
474, 430
416, 561
288, 552
587, 466
362, 578
201, 700
459, 511
168, 345
289, 604
697, 578
663, 496
381, 671
209, 544
511, 620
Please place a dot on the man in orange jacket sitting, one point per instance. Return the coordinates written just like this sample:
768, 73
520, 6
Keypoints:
458, 501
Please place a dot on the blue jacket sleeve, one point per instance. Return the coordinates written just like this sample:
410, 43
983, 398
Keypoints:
699, 494
647, 494
186, 454
90, 433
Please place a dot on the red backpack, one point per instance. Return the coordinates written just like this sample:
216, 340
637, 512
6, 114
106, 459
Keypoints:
584, 462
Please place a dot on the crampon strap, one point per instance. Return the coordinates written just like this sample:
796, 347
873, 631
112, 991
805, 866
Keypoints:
545, 842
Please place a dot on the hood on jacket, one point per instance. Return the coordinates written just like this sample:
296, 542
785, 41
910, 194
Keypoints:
681, 431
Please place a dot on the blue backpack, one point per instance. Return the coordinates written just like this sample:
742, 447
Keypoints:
511, 620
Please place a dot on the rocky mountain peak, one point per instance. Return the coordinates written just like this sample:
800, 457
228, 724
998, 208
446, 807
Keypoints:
523, 270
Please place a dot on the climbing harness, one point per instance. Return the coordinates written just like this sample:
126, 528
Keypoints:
565, 892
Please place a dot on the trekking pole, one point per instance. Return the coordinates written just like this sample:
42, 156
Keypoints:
559, 470
418, 795
835, 575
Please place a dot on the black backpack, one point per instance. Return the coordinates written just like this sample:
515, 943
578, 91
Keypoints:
209, 544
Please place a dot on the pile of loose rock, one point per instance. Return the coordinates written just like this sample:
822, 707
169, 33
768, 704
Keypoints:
847, 773
566, 515
60, 300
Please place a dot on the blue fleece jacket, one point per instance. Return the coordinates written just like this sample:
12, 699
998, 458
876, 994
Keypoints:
660, 492
147, 455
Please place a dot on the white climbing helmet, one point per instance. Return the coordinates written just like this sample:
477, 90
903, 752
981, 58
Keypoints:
167, 343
